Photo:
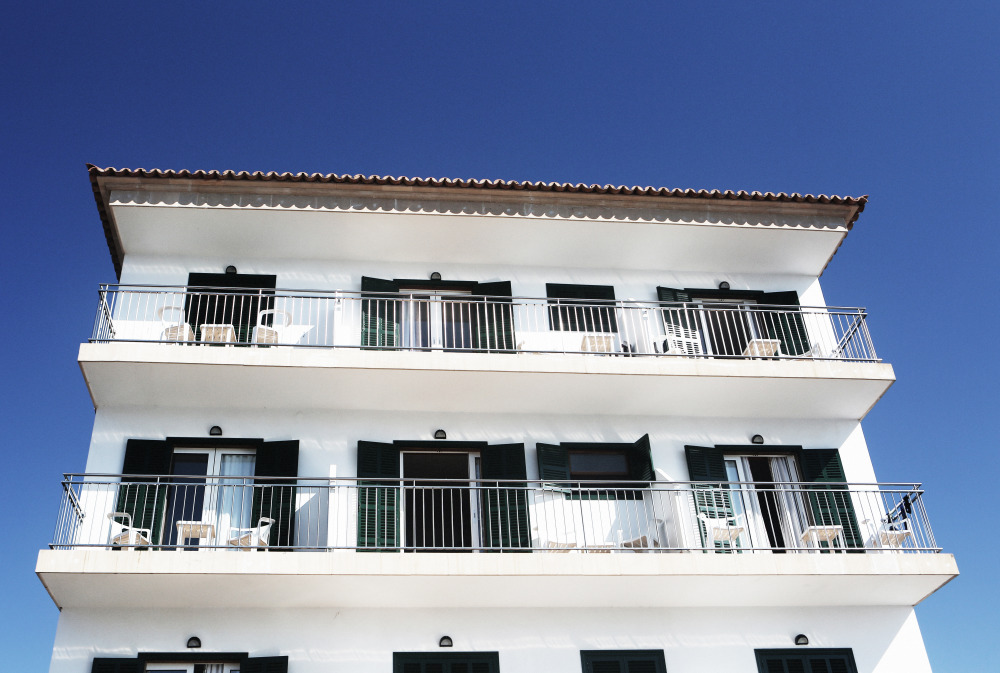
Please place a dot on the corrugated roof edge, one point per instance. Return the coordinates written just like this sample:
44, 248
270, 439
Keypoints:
510, 185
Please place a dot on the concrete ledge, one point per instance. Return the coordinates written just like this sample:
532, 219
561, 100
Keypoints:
100, 578
128, 373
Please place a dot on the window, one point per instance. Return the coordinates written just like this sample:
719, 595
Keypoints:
623, 661
436, 315
590, 461
772, 516
224, 307
725, 322
208, 483
593, 310
451, 662
806, 661
188, 662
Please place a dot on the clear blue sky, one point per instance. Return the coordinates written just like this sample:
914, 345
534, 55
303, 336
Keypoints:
893, 99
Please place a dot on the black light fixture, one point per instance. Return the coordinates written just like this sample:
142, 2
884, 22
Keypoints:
194, 642
724, 285
215, 431
801, 639
435, 276
757, 439
230, 269
440, 434
445, 642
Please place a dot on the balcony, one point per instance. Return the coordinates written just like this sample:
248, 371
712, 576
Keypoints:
173, 541
482, 353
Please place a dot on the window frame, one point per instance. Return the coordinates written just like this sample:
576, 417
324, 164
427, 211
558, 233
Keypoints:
802, 653
589, 657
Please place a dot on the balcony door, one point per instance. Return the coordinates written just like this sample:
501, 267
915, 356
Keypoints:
229, 302
773, 511
441, 512
439, 320
213, 488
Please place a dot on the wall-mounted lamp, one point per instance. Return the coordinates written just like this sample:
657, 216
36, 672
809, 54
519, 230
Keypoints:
194, 642
435, 276
230, 269
215, 431
801, 639
724, 285
440, 434
757, 439
446, 641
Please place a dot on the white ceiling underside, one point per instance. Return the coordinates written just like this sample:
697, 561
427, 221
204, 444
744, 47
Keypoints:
652, 240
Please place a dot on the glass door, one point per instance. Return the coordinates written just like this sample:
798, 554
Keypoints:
764, 494
211, 495
728, 325
441, 320
439, 510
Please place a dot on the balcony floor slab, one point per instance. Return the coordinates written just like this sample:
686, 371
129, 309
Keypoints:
169, 579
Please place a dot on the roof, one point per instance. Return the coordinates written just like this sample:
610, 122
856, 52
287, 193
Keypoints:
857, 202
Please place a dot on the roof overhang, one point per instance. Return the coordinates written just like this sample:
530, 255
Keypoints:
338, 217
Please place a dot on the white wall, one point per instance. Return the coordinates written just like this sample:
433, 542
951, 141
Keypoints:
884, 640
329, 439
526, 281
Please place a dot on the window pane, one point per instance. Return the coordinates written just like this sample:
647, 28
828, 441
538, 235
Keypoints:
590, 462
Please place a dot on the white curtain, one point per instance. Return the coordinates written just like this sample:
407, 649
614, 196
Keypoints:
794, 519
235, 494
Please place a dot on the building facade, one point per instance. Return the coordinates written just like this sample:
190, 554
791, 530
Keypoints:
376, 424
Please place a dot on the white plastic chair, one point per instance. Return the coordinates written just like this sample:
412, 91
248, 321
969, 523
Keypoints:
271, 334
681, 340
124, 535
249, 539
725, 529
176, 329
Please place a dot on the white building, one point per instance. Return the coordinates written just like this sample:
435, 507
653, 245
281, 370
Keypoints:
625, 419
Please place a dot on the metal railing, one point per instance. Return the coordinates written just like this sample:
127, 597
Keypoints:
481, 324
406, 515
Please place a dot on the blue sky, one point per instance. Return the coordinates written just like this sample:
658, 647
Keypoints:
896, 100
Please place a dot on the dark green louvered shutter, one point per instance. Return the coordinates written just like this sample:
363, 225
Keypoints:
229, 299
378, 502
553, 463
787, 326
116, 665
713, 499
264, 665
839, 660
452, 662
830, 505
494, 328
275, 498
640, 461
592, 315
379, 322
145, 500
506, 524
674, 310
623, 661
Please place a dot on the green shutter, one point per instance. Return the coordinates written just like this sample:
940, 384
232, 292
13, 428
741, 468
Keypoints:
623, 661
115, 665
640, 461
275, 498
506, 524
451, 662
264, 665
677, 310
788, 327
588, 316
553, 463
379, 322
494, 328
714, 500
839, 660
830, 505
378, 502
145, 500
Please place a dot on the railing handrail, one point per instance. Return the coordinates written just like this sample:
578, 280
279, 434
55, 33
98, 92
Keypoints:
617, 484
408, 295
